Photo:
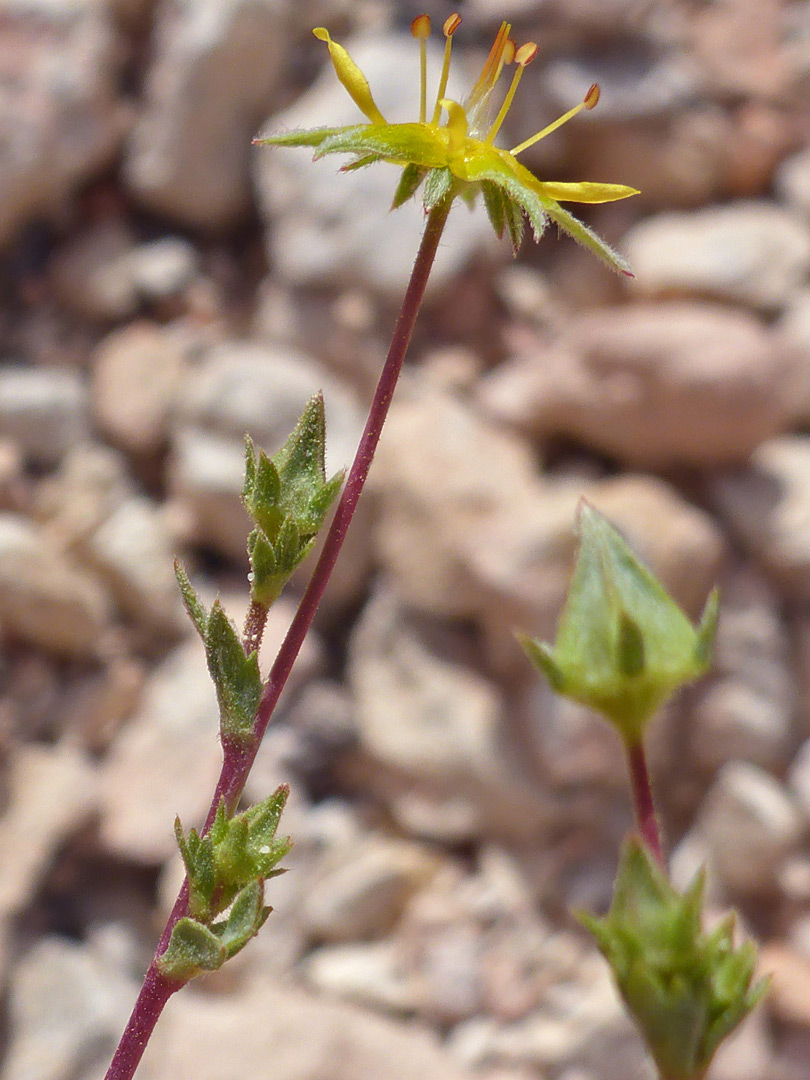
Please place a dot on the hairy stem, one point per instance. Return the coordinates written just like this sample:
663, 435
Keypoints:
239, 755
643, 799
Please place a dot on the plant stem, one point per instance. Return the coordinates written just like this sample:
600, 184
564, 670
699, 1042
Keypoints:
239, 755
643, 799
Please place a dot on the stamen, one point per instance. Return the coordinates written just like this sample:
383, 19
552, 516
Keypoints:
492, 67
588, 102
451, 24
524, 55
420, 28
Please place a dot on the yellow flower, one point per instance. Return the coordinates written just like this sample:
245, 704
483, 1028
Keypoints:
459, 156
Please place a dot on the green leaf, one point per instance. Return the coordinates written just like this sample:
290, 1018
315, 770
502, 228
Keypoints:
196, 611
245, 919
409, 183
192, 949
236, 676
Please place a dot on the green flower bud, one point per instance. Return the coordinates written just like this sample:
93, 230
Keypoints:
623, 645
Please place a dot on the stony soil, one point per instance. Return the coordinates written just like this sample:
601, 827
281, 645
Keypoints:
167, 288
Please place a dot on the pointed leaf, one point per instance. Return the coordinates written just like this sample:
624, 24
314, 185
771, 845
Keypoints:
236, 676
196, 611
192, 949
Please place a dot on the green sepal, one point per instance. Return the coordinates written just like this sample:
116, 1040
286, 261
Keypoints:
623, 646
301, 137
236, 676
361, 163
438, 187
685, 989
401, 144
494, 204
409, 182
192, 949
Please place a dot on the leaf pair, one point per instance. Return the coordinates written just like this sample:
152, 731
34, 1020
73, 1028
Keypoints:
226, 870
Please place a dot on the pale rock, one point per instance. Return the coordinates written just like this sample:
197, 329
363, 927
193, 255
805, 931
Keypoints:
749, 252
747, 711
52, 793
206, 473
67, 1008
92, 275
792, 182
686, 159
580, 1024
440, 473
361, 889
325, 228
369, 973
767, 508
434, 735
799, 778
43, 412
61, 114
163, 268
246, 387
794, 330
91, 482
138, 372
45, 599
655, 385
215, 67
751, 825
304, 1035
132, 553
789, 994
164, 763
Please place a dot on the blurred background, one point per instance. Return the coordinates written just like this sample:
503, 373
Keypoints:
167, 287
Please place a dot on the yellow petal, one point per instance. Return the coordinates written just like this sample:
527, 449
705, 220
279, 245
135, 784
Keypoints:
585, 192
352, 77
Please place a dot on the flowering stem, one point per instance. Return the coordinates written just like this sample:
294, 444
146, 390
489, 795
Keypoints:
643, 799
239, 754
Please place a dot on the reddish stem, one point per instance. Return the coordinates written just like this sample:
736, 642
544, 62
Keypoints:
643, 799
239, 755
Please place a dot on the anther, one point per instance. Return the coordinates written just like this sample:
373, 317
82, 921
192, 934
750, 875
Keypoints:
420, 27
587, 102
522, 56
451, 24
526, 53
